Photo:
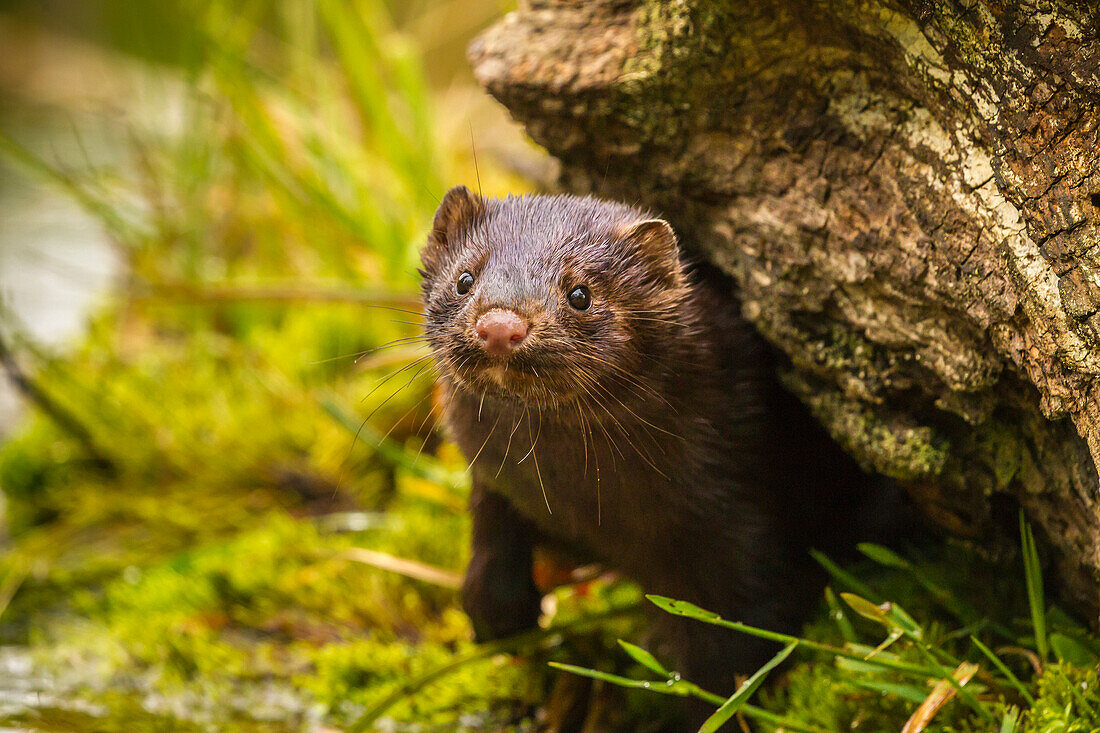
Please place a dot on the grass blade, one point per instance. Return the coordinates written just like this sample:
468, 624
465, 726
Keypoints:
912, 693
644, 658
678, 688
1003, 669
845, 578
681, 688
958, 608
837, 613
689, 610
1033, 576
737, 701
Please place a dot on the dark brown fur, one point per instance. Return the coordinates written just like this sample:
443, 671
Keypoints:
648, 432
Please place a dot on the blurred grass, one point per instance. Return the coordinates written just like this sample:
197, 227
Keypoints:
179, 520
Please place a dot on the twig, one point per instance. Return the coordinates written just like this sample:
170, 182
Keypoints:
53, 409
403, 566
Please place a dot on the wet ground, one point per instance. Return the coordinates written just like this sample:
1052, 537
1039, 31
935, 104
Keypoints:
31, 700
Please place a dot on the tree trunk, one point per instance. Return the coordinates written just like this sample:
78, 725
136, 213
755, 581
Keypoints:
908, 194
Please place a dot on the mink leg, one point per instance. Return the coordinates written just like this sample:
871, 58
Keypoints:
499, 594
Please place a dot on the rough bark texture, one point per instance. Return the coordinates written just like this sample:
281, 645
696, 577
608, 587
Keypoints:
908, 194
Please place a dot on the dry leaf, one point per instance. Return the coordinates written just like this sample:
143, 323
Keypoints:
941, 693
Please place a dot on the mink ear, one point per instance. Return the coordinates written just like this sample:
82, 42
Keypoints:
458, 210
656, 242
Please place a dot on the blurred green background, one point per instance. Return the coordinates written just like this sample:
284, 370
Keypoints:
226, 504
211, 212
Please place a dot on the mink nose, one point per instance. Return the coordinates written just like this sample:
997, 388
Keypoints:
501, 331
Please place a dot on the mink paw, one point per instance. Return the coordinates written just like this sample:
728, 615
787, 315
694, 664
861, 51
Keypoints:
500, 599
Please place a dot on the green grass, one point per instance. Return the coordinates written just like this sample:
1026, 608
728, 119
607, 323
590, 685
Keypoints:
896, 673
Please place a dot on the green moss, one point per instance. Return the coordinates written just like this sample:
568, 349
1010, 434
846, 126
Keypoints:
1068, 701
895, 447
482, 696
845, 350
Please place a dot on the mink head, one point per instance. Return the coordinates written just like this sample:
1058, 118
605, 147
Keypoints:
549, 299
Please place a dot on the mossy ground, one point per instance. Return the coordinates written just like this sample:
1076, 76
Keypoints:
179, 549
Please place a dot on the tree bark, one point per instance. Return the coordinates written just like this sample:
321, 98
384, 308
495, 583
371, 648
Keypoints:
908, 194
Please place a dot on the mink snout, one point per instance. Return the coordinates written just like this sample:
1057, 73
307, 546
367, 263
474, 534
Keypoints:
500, 331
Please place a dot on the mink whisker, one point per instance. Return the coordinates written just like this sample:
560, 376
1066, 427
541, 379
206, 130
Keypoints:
537, 434
535, 457
612, 446
586, 431
394, 308
635, 415
394, 373
400, 389
580, 420
508, 447
643, 454
402, 418
486, 441
419, 432
630, 379
360, 354
626, 434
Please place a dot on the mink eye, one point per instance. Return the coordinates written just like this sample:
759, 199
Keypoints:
465, 282
580, 298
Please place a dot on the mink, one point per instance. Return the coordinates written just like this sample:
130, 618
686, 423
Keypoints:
614, 404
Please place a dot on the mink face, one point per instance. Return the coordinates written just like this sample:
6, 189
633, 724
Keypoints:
547, 300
